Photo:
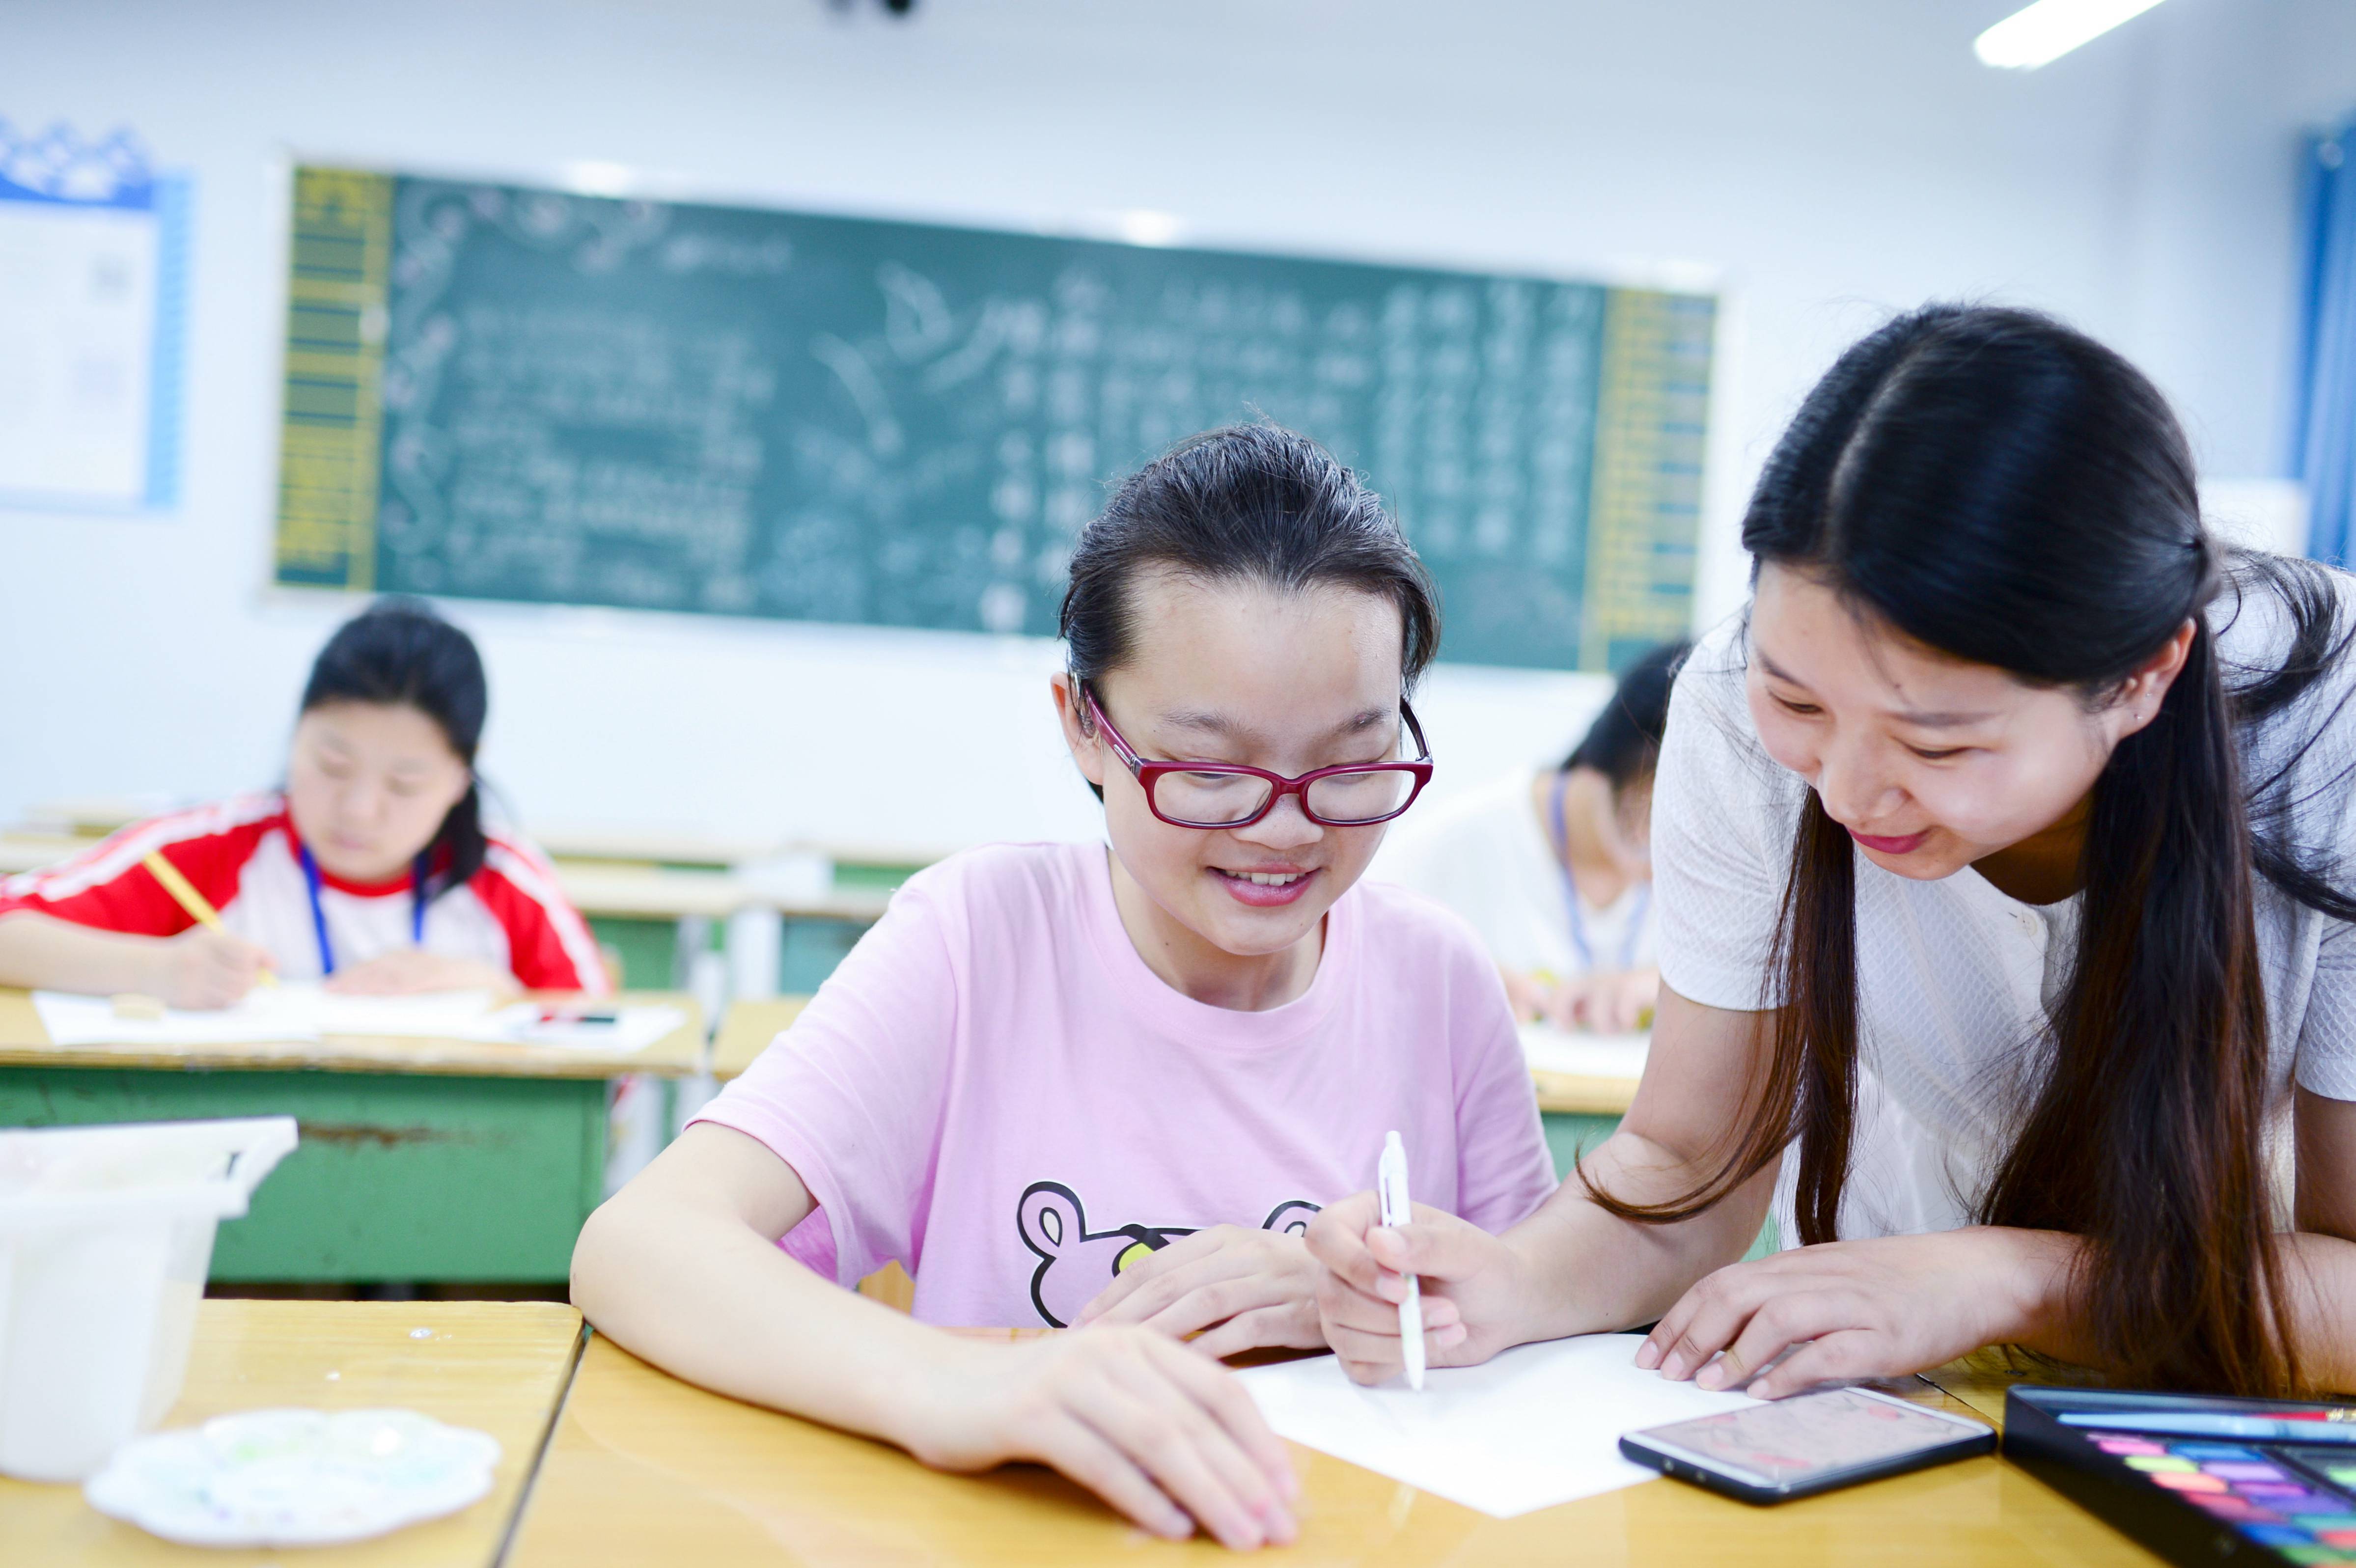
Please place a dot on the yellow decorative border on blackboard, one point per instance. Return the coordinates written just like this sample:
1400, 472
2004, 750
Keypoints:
1643, 513
330, 430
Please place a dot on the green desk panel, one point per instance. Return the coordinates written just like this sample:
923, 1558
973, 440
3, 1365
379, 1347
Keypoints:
399, 1175
1567, 1137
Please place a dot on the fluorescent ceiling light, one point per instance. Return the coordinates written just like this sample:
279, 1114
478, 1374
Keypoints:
591, 177
2052, 28
1140, 226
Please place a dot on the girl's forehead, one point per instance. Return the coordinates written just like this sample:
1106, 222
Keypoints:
1247, 653
388, 727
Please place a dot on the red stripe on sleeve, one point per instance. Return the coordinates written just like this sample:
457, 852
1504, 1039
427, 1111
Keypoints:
549, 947
108, 886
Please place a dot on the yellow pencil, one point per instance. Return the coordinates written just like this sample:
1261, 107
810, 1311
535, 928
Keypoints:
188, 898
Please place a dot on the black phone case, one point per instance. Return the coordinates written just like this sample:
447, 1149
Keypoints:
1966, 1447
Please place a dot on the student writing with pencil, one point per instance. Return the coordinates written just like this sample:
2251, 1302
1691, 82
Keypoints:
2009, 932
372, 869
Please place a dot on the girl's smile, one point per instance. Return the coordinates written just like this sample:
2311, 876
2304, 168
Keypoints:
1265, 887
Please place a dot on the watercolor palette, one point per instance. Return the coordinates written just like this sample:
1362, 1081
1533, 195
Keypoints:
2192, 1499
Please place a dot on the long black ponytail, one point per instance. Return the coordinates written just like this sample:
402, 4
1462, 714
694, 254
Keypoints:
398, 651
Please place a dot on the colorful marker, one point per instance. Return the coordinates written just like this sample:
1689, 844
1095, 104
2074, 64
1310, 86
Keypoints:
2332, 1426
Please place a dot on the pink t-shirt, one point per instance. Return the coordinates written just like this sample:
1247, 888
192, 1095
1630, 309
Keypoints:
994, 1091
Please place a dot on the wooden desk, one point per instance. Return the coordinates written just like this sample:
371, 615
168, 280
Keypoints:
29, 851
1562, 1094
499, 1367
746, 1029
421, 1159
644, 1468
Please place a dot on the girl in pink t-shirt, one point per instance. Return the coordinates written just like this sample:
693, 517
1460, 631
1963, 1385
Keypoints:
1069, 1085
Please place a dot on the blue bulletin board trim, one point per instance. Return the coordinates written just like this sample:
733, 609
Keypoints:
175, 198
57, 167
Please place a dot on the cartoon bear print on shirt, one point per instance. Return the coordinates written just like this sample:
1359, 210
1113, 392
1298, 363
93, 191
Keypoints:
1076, 1263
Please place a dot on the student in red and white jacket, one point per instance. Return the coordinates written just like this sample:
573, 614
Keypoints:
371, 869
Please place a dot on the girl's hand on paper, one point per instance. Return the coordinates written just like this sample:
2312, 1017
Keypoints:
1158, 1432
1613, 1003
1528, 994
1881, 1307
205, 969
1241, 1288
1471, 1281
408, 970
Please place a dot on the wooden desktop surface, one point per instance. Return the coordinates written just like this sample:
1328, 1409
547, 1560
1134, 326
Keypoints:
643, 1468
24, 1043
748, 1026
499, 1367
668, 893
28, 850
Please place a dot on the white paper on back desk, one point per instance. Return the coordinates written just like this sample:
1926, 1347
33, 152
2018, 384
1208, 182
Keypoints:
303, 1011
1537, 1425
1582, 1055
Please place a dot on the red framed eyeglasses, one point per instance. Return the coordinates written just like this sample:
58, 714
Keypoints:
1230, 794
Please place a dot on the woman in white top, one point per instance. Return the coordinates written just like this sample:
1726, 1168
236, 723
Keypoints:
1999, 853
1553, 867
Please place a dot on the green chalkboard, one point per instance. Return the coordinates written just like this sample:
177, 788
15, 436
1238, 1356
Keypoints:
501, 393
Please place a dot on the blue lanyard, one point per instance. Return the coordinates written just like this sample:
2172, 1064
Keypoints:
1570, 890
319, 916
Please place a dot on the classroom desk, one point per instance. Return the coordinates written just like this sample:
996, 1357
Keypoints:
499, 1367
421, 1159
668, 893
747, 1027
28, 850
643, 1467
1564, 1095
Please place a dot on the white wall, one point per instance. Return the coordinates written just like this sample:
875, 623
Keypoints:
1828, 160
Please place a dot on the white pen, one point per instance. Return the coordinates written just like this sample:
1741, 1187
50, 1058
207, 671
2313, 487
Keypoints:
1390, 1183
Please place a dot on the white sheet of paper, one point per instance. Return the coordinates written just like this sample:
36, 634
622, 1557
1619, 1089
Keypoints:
270, 1013
1537, 1425
306, 1012
78, 316
1550, 1049
90, 1020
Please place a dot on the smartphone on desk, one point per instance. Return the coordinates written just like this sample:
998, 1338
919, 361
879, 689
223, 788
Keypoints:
1807, 1444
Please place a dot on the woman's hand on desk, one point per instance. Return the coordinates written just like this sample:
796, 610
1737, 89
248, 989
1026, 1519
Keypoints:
1880, 1307
1240, 1289
1472, 1282
407, 971
206, 969
1163, 1434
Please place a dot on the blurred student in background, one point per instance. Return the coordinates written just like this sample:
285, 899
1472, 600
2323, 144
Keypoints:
371, 869
1553, 867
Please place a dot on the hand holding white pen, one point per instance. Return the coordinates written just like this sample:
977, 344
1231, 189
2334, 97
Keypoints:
1390, 1185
